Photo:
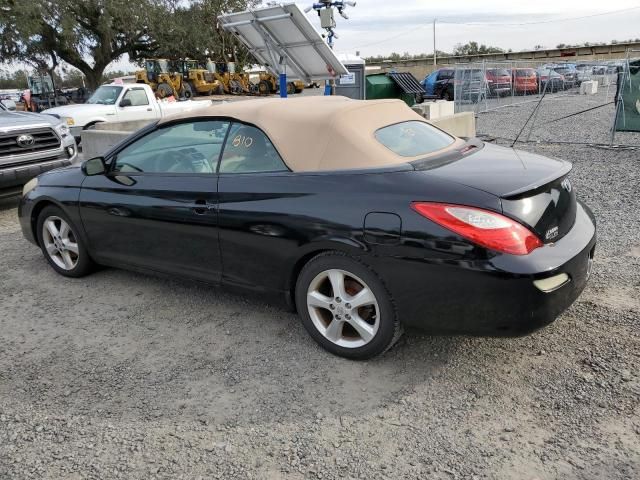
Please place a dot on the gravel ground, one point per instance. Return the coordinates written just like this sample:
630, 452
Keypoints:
121, 375
589, 127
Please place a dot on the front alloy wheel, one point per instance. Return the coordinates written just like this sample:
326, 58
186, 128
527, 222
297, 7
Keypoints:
62, 247
60, 243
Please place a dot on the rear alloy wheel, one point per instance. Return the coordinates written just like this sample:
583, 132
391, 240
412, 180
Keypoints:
345, 307
60, 244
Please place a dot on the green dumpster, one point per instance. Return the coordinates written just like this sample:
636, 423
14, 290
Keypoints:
380, 85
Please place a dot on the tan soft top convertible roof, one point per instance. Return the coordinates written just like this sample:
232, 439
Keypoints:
320, 133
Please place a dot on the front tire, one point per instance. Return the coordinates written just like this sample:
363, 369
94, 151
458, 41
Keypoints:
345, 307
61, 245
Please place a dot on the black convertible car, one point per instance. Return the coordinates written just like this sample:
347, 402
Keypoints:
359, 214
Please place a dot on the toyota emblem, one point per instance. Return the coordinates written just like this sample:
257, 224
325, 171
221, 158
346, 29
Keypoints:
25, 141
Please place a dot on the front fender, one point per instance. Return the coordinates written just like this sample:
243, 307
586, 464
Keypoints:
32, 204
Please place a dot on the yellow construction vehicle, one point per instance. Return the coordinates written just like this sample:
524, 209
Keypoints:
232, 82
163, 81
268, 83
200, 80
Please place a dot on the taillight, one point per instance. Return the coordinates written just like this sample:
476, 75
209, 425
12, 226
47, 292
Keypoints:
483, 227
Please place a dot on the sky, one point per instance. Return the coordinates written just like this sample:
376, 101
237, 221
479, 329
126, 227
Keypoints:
379, 27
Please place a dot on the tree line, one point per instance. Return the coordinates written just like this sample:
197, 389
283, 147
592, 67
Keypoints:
90, 34
474, 48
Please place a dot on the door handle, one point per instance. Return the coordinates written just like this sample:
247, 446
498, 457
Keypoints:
119, 212
149, 109
202, 206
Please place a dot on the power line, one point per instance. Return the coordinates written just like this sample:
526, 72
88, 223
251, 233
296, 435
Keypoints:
568, 19
489, 24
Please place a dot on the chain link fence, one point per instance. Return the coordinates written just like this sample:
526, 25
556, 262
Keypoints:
486, 86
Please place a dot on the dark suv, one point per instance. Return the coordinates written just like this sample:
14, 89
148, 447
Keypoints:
440, 83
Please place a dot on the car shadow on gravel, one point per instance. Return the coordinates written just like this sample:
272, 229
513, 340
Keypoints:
130, 346
7, 203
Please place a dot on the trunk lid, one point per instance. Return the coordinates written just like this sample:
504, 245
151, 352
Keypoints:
533, 189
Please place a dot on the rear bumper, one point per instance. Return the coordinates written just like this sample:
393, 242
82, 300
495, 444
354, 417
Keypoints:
533, 87
496, 296
500, 87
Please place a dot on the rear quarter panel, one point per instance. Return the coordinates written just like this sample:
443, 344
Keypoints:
269, 222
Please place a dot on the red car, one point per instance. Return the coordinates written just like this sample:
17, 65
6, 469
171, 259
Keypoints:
499, 81
525, 80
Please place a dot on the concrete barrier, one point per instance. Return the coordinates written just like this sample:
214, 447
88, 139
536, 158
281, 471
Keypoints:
132, 126
589, 88
446, 107
96, 141
434, 110
461, 124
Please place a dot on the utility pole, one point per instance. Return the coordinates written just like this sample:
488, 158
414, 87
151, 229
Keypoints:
325, 12
434, 43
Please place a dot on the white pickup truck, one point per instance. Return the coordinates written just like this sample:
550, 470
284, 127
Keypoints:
120, 103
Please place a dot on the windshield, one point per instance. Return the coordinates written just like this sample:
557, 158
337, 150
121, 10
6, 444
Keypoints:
105, 95
525, 72
413, 138
498, 72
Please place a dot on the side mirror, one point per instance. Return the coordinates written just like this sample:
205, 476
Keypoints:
125, 102
9, 104
94, 166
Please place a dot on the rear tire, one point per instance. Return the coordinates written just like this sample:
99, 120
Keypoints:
345, 307
187, 91
194, 91
264, 88
60, 244
164, 90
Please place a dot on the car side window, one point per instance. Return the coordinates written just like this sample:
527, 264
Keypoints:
137, 96
248, 150
189, 147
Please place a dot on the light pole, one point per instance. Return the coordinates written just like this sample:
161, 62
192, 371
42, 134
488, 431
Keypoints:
328, 22
434, 43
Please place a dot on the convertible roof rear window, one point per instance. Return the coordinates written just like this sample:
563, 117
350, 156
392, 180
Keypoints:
413, 138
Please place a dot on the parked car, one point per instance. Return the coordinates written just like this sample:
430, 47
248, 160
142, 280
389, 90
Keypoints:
498, 81
440, 83
31, 143
525, 81
471, 84
569, 73
467, 238
120, 103
465, 84
549, 80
